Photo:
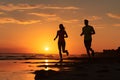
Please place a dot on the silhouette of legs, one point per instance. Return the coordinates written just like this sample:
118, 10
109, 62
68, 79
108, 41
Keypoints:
63, 49
61, 45
88, 47
92, 51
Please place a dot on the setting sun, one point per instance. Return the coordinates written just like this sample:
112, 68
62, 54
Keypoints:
46, 49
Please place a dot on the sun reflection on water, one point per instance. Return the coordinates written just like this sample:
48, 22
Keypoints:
46, 65
54, 65
46, 60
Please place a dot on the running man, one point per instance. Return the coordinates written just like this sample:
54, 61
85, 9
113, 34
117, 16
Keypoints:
88, 31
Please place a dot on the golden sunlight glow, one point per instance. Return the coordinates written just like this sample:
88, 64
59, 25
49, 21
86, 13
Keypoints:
46, 49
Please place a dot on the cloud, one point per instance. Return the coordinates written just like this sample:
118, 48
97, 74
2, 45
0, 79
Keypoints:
99, 26
92, 18
70, 21
12, 7
11, 20
47, 17
1, 13
29, 22
43, 14
53, 17
62, 20
116, 25
111, 15
63, 8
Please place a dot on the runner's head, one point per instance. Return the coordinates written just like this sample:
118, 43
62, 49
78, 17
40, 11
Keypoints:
61, 27
86, 22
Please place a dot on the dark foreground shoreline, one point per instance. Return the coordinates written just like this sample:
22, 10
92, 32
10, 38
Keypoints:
96, 68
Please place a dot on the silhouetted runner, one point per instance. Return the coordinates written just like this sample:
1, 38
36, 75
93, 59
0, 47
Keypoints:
88, 31
61, 34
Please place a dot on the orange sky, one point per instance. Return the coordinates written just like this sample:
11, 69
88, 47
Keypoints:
31, 26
